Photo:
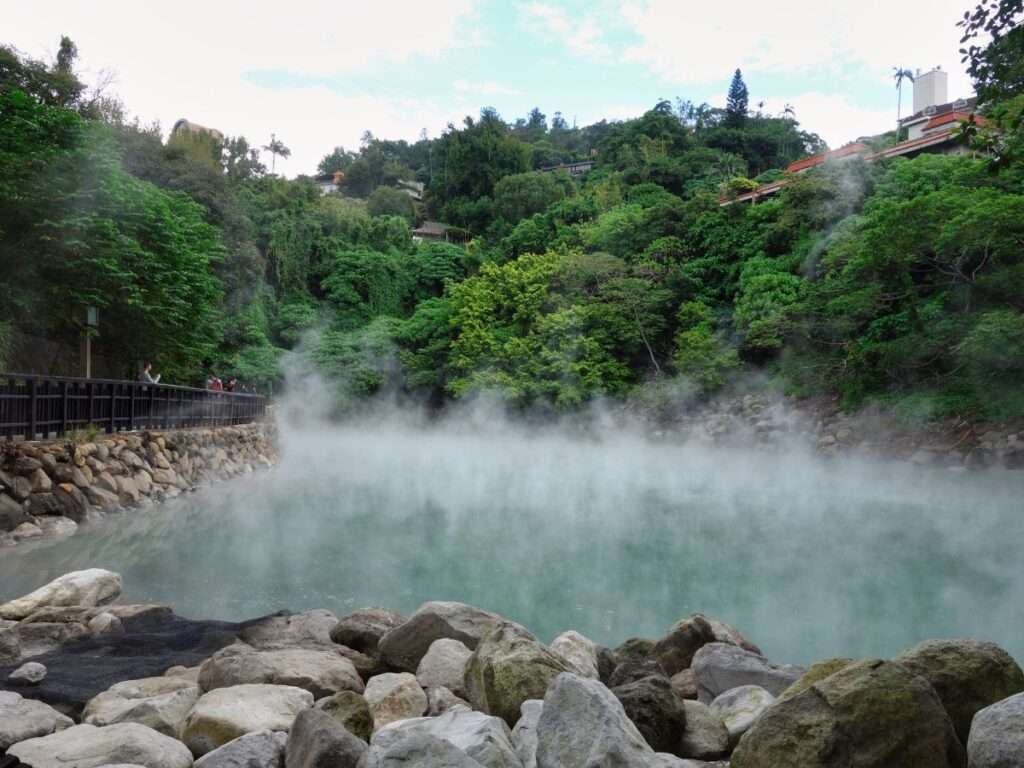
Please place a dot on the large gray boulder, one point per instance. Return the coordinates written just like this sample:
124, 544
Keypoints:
485, 739
224, 714
719, 667
508, 667
394, 696
871, 714
86, 746
29, 673
87, 588
705, 737
675, 651
524, 735
739, 708
404, 646
160, 703
968, 675
444, 665
12, 514
317, 740
22, 719
997, 735
656, 711
578, 651
261, 749
583, 725
362, 630
321, 671
311, 629
421, 750
351, 710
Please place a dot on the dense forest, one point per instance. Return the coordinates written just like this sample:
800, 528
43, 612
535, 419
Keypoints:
898, 281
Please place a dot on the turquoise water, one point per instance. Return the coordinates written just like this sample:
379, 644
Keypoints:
616, 537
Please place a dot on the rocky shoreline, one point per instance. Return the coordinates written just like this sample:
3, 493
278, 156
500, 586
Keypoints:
50, 488
87, 682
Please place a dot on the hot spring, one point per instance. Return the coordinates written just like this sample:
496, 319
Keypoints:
614, 536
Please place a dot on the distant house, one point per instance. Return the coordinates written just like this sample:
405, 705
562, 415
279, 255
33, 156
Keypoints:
577, 168
431, 230
329, 182
184, 127
414, 189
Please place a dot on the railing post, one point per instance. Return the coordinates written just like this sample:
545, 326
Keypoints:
131, 407
89, 392
33, 401
63, 426
112, 427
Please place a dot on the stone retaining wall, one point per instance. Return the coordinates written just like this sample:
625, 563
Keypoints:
50, 488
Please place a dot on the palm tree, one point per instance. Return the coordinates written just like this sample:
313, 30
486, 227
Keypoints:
899, 75
276, 147
789, 112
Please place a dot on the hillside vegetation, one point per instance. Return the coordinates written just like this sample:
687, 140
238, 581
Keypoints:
897, 281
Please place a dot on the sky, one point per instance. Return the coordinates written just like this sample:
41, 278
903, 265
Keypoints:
318, 73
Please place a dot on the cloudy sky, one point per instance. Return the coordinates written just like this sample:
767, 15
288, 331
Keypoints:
319, 73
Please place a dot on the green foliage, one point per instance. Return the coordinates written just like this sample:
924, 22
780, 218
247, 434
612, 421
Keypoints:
702, 355
521, 195
387, 201
736, 102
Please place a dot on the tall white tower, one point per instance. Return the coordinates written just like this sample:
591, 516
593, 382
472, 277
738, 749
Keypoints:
930, 89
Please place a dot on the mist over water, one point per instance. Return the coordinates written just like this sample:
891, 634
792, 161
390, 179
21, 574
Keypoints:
607, 533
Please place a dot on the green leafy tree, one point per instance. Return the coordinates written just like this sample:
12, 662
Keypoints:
387, 201
736, 104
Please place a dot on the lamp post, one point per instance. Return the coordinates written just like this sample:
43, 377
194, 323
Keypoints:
92, 321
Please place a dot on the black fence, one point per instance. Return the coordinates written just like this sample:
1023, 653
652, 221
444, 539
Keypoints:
43, 407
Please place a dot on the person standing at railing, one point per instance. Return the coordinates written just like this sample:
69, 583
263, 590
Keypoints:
146, 377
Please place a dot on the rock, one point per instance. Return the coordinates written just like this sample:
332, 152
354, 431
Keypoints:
632, 670
719, 667
40, 481
106, 482
404, 646
634, 649
675, 651
508, 667
656, 711
579, 652
875, 711
101, 497
705, 737
86, 746
22, 719
105, 623
260, 749
394, 696
440, 700
997, 735
817, 671
317, 740
164, 476
20, 488
28, 674
311, 629
739, 708
10, 646
12, 514
321, 672
685, 684
57, 527
26, 465
524, 735
485, 739
227, 713
421, 750
444, 665
127, 490
73, 503
189, 673
351, 710
40, 637
160, 703
26, 531
582, 725
968, 675
82, 588
43, 504
362, 630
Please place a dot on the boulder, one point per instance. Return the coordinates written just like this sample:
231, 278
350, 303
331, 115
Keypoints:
524, 735
656, 711
88, 588
22, 719
26, 531
86, 746
26, 465
632, 670
227, 713
57, 527
160, 703
10, 646
311, 629
739, 708
508, 667
105, 623
421, 750
43, 504
40, 481
317, 740
719, 667
485, 739
101, 497
72, 501
579, 652
440, 700
362, 630
404, 646
685, 684
127, 490
394, 696
582, 725
30, 673
968, 675
817, 671
997, 735
874, 711
39, 637
705, 737
634, 649
260, 749
351, 710
675, 651
444, 665
12, 514
319, 671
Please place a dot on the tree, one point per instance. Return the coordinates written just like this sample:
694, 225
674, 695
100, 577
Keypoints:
998, 68
276, 147
387, 201
899, 75
337, 160
736, 102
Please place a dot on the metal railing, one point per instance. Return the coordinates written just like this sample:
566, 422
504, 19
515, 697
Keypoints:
42, 407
